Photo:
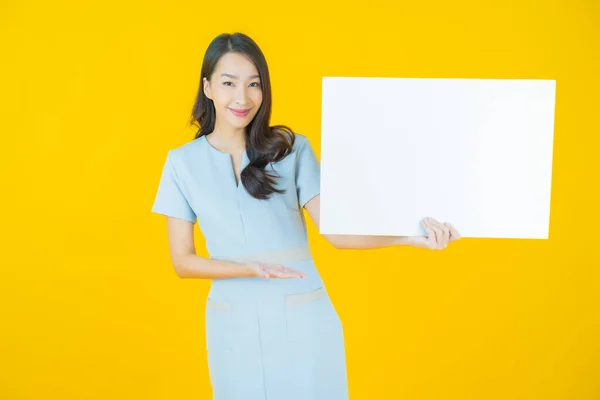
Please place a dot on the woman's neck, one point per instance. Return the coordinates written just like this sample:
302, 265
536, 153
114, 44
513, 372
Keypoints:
230, 140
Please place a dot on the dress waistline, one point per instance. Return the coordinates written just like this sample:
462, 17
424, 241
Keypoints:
291, 254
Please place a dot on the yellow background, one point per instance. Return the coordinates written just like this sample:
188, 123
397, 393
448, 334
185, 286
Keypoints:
93, 95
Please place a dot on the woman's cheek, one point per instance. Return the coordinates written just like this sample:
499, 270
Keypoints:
221, 96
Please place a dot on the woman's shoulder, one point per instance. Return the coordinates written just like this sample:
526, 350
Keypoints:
300, 141
290, 160
185, 150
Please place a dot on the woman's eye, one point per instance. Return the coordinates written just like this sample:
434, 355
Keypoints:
226, 83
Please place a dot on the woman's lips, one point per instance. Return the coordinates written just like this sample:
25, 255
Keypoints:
239, 113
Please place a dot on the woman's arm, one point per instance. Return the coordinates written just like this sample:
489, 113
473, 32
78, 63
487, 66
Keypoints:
194, 266
313, 207
189, 265
366, 241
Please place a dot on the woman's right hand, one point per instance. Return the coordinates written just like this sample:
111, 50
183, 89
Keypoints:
266, 271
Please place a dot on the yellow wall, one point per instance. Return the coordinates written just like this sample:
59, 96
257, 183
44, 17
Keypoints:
93, 95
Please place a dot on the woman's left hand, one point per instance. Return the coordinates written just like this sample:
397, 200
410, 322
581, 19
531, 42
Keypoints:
439, 235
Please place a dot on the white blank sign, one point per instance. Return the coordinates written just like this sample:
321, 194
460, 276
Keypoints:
473, 152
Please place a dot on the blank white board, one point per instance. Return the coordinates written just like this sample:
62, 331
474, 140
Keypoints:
473, 152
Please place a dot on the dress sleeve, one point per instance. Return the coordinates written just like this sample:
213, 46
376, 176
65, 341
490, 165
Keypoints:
308, 173
169, 200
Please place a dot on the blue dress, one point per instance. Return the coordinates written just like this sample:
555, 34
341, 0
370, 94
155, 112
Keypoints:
275, 339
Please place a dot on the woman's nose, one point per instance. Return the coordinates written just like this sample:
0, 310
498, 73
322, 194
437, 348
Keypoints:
241, 96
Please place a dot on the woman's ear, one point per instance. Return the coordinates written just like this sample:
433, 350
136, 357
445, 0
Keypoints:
206, 87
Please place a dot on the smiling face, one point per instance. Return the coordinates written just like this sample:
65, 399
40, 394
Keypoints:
235, 90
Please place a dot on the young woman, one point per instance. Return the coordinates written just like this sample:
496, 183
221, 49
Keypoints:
246, 183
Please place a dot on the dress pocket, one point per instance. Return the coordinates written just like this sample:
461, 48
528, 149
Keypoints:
309, 316
219, 334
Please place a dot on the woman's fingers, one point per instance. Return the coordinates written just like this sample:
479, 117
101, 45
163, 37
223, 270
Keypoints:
283, 272
454, 234
439, 235
438, 239
442, 231
288, 272
431, 239
277, 271
298, 273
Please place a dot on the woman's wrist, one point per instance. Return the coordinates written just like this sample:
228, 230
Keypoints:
248, 270
403, 241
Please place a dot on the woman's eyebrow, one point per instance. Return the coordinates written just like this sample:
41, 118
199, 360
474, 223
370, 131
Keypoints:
235, 76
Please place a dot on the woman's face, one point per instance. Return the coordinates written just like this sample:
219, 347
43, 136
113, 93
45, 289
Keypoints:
234, 86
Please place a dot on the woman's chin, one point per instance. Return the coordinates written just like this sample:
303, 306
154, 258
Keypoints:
240, 122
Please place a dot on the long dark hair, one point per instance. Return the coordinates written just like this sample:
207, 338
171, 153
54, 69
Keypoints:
264, 143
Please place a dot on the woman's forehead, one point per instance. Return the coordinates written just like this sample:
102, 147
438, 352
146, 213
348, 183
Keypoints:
236, 66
